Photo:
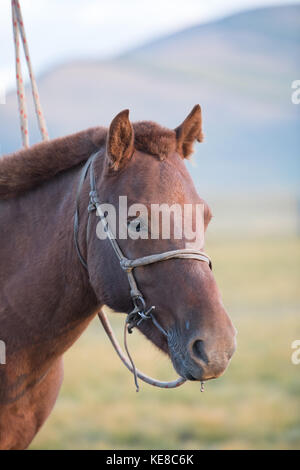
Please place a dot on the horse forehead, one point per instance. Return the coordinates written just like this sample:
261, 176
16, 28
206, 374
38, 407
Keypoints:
169, 178
175, 182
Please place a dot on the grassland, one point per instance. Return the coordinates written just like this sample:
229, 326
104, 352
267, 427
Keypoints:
255, 405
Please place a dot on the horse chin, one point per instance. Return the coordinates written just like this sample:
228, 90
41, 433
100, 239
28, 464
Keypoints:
156, 338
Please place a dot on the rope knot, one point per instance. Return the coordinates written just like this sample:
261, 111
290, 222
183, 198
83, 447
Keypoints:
138, 314
94, 201
125, 265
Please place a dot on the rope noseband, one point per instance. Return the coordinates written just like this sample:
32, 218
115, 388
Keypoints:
140, 311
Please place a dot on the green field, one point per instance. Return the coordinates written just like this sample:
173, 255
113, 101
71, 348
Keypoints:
255, 405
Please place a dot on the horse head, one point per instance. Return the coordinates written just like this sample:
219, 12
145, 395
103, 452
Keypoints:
142, 176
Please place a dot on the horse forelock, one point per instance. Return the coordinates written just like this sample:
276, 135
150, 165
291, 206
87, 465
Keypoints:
154, 139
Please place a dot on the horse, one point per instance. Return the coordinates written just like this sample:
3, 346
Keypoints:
48, 298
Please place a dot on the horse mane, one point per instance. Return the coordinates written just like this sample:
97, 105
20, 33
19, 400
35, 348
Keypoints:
27, 168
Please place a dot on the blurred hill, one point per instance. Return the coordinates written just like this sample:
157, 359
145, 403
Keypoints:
240, 69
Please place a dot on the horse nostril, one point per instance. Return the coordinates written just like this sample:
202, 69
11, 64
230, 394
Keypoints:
189, 376
199, 351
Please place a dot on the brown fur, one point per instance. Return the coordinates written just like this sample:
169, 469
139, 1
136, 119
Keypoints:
154, 139
28, 168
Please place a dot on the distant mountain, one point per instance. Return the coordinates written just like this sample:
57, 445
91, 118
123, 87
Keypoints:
240, 69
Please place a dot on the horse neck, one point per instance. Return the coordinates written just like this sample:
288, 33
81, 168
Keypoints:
47, 294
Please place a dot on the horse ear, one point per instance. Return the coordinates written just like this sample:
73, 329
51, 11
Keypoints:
120, 141
189, 131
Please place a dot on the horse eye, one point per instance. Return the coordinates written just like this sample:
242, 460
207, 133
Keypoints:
136, 226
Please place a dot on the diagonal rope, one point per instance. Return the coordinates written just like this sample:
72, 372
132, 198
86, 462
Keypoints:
19, 31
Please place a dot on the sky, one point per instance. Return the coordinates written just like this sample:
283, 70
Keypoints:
64, 30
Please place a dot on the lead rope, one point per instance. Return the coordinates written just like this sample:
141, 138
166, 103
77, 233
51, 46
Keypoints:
130, 358
19, 30
156, 383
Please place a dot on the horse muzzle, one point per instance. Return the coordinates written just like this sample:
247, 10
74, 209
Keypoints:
201, 359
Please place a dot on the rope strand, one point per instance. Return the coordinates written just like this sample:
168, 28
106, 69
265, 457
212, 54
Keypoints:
20, 85
19, 31
156, 383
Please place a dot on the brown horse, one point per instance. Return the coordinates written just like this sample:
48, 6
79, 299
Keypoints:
48, 298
